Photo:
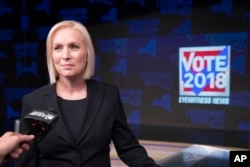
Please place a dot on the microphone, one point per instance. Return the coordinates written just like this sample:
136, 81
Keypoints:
39, 122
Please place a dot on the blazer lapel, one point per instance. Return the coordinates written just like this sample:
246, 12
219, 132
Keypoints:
52, 103
94, 100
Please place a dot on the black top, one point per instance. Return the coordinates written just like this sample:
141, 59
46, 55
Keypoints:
73, 113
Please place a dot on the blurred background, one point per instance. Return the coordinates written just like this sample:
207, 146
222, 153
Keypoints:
138, 48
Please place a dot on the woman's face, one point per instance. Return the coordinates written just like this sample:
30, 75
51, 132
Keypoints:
69, 53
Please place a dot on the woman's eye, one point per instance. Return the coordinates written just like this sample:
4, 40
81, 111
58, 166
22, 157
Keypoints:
74, 46
57, 48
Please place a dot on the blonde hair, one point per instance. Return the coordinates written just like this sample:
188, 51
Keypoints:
89, 70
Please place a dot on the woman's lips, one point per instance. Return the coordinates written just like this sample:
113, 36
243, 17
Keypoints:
67, 65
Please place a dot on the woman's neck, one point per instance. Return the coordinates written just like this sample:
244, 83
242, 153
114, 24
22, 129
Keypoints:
71, 90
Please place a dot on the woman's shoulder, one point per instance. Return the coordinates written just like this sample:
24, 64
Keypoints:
101, 84
41, 89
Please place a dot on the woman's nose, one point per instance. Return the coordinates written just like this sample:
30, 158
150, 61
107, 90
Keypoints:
65, 55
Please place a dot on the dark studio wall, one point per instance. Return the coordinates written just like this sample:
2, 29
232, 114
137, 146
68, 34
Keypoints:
137, 45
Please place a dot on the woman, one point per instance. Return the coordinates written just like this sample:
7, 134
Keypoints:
90, 112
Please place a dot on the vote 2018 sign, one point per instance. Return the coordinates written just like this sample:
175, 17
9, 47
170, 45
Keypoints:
204, 74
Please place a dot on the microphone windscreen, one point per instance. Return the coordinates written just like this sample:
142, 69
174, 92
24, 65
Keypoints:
39, 121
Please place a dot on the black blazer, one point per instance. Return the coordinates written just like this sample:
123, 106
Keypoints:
105, 121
